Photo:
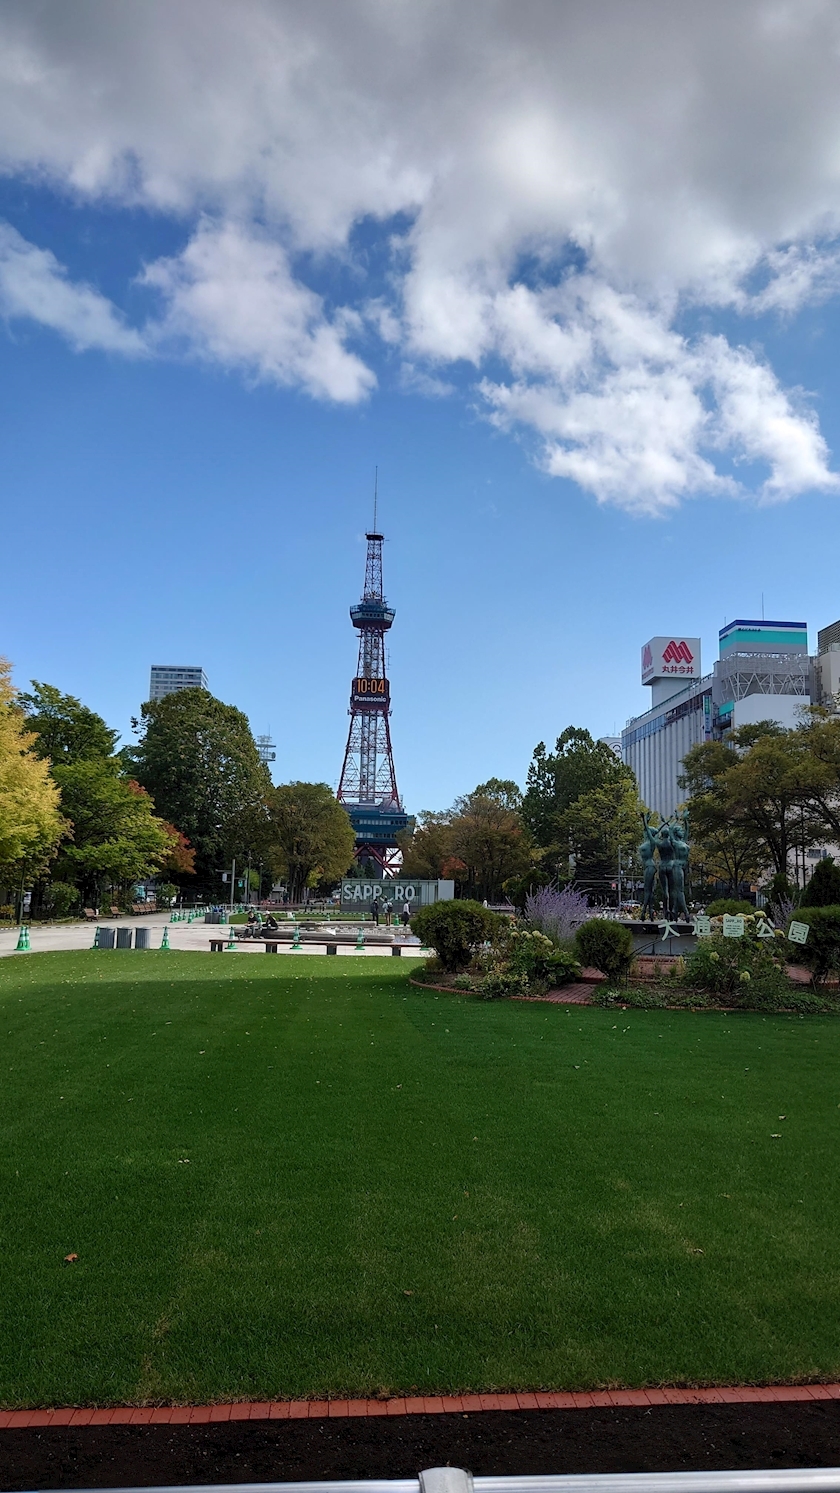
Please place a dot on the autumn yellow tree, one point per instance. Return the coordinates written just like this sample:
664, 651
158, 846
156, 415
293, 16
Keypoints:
31, 824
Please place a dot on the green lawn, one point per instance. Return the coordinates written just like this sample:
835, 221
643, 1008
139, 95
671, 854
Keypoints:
304, 1177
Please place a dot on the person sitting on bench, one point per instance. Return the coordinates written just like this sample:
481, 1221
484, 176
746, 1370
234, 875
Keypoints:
271, 924
253, 924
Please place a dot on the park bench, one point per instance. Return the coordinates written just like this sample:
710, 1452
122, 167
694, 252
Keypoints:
218, 944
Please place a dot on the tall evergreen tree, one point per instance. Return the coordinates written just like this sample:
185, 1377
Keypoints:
556, 780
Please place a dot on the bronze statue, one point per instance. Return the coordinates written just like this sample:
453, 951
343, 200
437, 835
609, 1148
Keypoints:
679, 870
670, 842
646, 853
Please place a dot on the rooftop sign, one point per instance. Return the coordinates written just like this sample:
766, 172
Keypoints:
745, 635
665, 658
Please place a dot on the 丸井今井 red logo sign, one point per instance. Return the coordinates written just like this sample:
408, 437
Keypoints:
678, 653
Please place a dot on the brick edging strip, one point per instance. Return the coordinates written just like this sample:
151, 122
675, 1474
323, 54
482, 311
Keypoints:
170, 1415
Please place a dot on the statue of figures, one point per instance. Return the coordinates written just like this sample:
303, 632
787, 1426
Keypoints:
646, 854
679, 840
665, 846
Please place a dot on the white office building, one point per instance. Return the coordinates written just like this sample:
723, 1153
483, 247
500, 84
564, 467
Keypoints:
826, 684
763, 672
166, 678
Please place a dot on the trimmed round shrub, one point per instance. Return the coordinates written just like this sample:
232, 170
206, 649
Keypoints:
455, 930
730, 905
606, 946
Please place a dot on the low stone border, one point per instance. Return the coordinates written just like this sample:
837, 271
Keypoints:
171, 1415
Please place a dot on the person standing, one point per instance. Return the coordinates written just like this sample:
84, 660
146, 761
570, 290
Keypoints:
376, 908
406, 915
389, 908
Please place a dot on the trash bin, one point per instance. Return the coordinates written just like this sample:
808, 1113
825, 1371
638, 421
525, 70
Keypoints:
104, 938
215, 917
141, 938
123, 938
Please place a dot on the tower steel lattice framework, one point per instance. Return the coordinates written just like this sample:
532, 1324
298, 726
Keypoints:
368, 784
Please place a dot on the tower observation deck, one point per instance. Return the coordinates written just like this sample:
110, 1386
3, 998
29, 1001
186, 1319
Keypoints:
368, 785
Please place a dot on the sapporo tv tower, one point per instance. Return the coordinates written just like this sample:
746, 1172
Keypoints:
368, 786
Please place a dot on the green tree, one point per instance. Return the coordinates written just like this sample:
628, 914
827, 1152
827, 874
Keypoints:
819, 736
768, 789
427, 848
31, 823
310, 835
823, 890
603, 828
489, 838
755, 792
67, 731
724, 842
199, 761
117, 838
557, 779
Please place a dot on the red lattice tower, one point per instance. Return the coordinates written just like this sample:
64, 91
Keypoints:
368, 785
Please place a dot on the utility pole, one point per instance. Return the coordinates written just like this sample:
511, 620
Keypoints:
232, 884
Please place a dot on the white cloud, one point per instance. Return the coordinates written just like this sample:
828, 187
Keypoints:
231, 298
415, 381
639, 158
756, 419
35, 287
636, 413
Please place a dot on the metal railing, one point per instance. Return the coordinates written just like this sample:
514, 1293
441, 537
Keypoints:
456, 1480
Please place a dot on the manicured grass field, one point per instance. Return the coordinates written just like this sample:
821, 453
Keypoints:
313, 1178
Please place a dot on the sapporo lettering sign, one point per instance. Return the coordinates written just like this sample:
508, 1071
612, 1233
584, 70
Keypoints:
370, 691
390, 891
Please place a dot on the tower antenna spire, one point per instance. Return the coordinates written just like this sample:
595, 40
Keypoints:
368, 783
375, 496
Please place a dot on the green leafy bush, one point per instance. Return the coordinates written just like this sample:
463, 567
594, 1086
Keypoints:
823, 890
749, 997
62, 898
606, 946
821, 953
737, 969
502, 983
537, 956
729, 905
455, 930
650, 998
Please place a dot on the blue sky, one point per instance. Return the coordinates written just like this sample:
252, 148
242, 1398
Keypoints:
584, 438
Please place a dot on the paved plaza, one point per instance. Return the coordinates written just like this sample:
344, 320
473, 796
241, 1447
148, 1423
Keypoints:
188, 937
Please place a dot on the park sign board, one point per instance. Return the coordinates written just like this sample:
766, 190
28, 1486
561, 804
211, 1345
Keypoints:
358, 892
670, 657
